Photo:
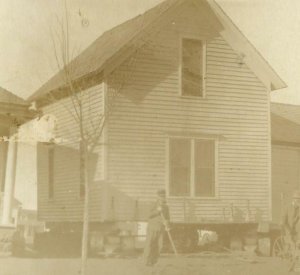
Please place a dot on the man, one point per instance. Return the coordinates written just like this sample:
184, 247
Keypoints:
158, 222
291, 224
291, 228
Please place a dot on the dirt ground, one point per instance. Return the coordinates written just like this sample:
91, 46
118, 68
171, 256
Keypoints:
168, 265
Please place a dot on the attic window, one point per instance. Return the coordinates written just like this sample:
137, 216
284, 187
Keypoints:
192, 67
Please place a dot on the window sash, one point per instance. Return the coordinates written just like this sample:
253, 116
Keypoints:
200, 179
179, 171
204, 163
193, 59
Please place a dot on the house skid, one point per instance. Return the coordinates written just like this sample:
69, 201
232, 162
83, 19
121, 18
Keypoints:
187, 103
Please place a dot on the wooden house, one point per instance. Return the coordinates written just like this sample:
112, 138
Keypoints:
187, 99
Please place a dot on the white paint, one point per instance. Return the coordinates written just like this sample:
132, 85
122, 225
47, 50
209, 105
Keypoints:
21, 174
38, 130
26, 176
9, 182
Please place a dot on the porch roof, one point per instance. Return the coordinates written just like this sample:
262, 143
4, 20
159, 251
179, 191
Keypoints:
13, 109
285, 123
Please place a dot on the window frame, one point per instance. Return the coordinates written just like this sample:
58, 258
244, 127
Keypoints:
192, 194
204, 52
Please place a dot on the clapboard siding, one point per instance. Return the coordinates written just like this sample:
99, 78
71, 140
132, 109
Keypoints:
149, 106
67, 204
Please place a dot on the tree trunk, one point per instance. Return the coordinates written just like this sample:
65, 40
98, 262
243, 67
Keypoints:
85, 182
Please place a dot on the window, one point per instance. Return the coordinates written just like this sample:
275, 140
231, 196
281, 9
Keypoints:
192, 67
50, 171
192, 167
180, 166
204, 168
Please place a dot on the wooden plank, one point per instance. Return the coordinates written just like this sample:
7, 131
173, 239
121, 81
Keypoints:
66, 204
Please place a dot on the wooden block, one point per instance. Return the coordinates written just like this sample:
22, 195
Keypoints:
236, 243
264, 246
263, 227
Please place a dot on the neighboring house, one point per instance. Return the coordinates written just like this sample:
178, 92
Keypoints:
13, 112
18, 203
192, 116
285, 155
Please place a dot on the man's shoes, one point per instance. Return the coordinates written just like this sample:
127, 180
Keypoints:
151, 263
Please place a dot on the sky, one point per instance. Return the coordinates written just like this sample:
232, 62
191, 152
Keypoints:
27, 56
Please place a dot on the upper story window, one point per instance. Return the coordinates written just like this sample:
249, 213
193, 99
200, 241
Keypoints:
193, 52
192, 167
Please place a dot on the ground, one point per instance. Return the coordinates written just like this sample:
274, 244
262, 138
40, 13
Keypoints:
194, 265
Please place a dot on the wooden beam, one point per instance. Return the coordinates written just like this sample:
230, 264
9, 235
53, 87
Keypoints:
286, 143
16, 111
81, 84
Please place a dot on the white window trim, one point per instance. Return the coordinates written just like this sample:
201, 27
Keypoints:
203, 40
192, 189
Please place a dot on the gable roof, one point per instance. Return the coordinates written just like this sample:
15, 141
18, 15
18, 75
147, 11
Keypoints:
284, 130
287, 111
12, 106
10, 98
95, 58
250, 55
285, 122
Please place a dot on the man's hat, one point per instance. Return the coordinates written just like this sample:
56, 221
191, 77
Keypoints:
161, 192
296, 194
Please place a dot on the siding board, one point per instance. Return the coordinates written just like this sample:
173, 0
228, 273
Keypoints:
150, 106
67, 204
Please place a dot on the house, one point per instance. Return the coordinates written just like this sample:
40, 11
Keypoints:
13, 112
187, 102
285, 122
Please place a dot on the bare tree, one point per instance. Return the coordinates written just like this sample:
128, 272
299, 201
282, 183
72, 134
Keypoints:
90, 129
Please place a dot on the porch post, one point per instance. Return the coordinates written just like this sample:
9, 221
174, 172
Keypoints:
9, 182
3, 157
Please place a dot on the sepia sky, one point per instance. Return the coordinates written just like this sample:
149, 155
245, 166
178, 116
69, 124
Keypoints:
27, 58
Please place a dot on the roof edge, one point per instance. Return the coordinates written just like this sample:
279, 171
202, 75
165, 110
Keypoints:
276, 82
